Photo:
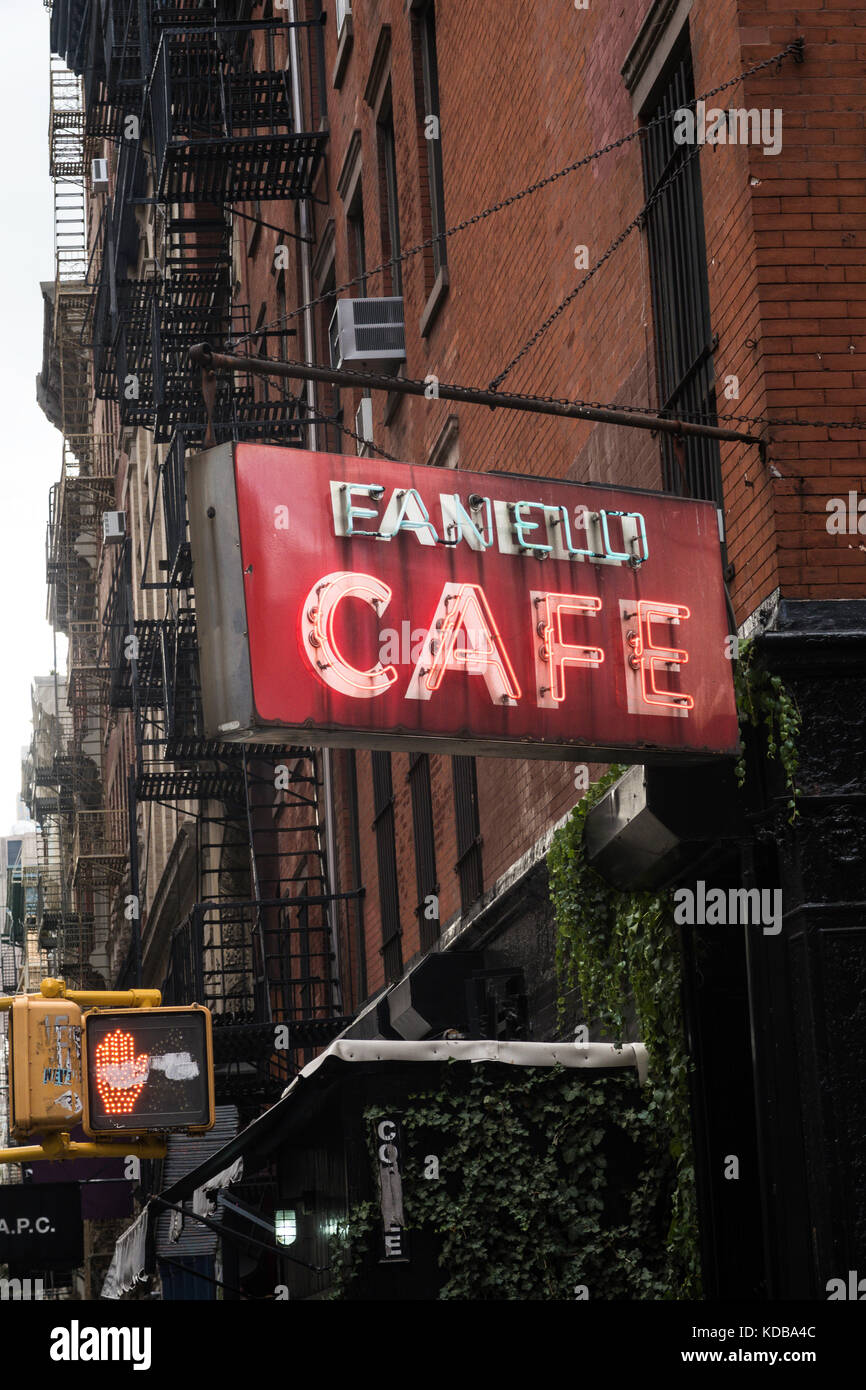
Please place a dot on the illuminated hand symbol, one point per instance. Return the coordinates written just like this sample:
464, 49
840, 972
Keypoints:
120, 1075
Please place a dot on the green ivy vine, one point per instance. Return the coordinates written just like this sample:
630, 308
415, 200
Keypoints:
762, 698
621, 951
548, 1187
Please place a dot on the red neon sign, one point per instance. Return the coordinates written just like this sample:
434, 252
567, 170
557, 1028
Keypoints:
318, 643
554, 652
463, 636
557, 618
648, 657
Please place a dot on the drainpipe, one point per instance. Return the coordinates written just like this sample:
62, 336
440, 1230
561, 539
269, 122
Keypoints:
306, 226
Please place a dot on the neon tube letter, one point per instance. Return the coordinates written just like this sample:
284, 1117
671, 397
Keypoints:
647, 656
552, 652
464, 608
319, 645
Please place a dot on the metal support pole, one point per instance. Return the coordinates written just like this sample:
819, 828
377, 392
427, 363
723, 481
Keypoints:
203, 356
91, 998
59, 1148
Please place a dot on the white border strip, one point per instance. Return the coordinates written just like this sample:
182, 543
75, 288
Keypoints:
520, 1054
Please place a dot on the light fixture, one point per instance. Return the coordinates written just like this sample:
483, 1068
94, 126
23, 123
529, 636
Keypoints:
285, 1227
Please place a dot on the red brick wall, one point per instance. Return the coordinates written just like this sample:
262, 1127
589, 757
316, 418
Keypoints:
526, 88
810, 220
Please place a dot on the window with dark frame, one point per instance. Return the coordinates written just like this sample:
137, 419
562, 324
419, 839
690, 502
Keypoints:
262, 385
328, 396
468, 866
680, 286
427, 109
282, 316
386, 860
390, 219
357, 242
425, 848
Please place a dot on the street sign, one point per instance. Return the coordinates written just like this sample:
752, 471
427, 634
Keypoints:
357, 602
147, 1070
41, 1226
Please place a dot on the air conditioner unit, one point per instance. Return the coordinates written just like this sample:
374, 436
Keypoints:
99, 175
364, 425
113, 527
368, 332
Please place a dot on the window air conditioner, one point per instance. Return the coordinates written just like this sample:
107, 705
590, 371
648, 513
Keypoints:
368, 331
113, 526
99, 175
364, 425
344, 12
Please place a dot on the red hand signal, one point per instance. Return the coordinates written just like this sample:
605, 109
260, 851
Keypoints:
120, 1075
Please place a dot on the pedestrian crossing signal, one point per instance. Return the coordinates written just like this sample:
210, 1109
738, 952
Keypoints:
148, 1070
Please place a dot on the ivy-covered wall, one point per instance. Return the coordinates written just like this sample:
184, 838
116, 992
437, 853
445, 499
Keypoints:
621, 951
548, 1183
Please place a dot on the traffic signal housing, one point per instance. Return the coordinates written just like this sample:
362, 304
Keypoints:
46, 1091
147, 1070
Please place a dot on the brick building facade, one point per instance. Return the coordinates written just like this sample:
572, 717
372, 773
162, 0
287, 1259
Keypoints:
735, 298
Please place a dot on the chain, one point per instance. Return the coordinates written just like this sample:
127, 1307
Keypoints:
698, 416
614, 246
796, 47
359, 439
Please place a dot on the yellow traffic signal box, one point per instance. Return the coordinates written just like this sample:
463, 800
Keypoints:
147, 1070
46, 1091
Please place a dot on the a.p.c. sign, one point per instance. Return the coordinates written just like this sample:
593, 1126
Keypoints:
357, 602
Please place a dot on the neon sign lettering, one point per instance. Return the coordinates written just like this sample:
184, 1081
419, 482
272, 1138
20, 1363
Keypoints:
553, 653
525, 527
319, 644
644, 657
464, 636
463, 608
406, 512
500, 612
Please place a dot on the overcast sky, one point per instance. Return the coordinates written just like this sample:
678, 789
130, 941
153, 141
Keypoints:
32, 447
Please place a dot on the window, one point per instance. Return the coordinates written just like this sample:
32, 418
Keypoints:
386, 859
427, 110
388, 191
282, 316
446, 451
468, 866
328, 396
357, 242
344, 12
425, 847
680, 285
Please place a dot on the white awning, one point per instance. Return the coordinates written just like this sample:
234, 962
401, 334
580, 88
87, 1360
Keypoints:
518, 1054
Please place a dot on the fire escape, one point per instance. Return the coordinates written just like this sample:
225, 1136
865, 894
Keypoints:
200, 112
79, 848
